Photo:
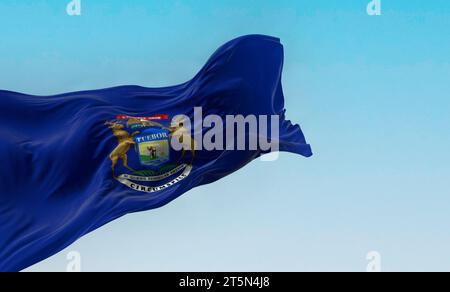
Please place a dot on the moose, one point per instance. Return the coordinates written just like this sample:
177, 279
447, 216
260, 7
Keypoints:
182, 134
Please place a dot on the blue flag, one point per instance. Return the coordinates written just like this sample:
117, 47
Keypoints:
73, 162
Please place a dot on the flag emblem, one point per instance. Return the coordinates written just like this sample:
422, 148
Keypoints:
144, 152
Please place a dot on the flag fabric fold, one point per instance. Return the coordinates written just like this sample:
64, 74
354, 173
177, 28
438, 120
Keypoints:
73, 162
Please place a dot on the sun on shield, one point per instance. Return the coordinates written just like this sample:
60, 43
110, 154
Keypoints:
153, 147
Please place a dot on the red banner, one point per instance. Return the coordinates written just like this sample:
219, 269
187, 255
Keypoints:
150, 118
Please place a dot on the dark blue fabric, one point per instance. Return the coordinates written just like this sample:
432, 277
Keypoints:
55, 173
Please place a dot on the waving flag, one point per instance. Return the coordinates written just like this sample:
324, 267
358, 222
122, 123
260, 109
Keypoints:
73, 162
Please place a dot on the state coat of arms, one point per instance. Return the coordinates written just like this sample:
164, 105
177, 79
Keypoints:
143, 151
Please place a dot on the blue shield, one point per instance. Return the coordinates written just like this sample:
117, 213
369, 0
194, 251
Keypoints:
153, 147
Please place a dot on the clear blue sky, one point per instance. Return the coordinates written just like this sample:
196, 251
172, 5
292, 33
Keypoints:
372, 95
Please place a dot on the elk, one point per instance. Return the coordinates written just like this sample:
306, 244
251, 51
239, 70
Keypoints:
125, 140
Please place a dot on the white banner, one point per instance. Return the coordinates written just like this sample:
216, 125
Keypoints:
127, 179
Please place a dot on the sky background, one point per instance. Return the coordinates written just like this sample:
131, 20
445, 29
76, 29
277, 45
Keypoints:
372, 94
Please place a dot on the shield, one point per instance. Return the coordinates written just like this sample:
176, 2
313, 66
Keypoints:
153, 147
